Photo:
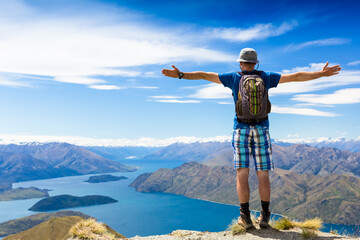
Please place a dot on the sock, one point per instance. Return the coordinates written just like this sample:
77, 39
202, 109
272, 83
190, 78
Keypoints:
265, 206
244, 208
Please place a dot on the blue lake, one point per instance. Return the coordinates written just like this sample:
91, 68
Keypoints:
136, 213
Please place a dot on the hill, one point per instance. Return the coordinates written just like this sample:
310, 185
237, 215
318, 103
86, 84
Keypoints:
68, 201
58, 227
334, 198
42, 161
25, 223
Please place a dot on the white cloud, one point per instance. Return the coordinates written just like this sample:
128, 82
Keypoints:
105, 87
311, 68
79, 80
120, 142
225, 103
165, 97
101, 44
343, 96
12, 83
212, 91
317, 43
259, 31
354, 63
301, 111
175, 101
295, 135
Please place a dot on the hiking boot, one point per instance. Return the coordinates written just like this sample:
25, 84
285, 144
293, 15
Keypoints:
245, 221
264, 219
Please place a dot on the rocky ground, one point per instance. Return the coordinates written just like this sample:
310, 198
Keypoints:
256, 234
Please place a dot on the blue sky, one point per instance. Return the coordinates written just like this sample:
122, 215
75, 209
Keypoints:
93, 68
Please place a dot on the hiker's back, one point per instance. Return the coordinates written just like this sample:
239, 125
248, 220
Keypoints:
253, 103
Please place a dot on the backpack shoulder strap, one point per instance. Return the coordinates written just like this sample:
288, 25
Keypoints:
250, 73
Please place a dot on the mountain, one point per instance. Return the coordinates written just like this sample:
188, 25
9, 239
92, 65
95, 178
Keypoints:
15, 167
68, 201
188, 151
120, 153
333, 197
319, 161
42, 161
298, 158
4, 186
25, 223
352, 145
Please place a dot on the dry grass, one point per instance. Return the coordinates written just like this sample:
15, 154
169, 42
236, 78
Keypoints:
236, 229
314, 224
283, 224
90, 230
308, 227
308, 233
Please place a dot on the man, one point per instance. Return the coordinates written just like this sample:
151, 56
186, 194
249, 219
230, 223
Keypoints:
251, 136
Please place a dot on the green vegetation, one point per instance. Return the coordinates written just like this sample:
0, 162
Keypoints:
104, 178
23, 193
68, 201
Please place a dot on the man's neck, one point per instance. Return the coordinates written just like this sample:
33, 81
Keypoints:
248, 69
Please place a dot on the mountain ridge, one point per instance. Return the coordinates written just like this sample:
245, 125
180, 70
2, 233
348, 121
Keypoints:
33, 162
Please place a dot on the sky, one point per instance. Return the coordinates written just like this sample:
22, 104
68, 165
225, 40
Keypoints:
92, 69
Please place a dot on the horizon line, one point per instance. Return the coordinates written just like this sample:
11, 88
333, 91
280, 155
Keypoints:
142, 141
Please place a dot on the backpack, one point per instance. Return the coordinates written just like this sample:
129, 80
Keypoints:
253, 103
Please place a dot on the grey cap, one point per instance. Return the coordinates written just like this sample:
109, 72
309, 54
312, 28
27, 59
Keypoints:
248, 55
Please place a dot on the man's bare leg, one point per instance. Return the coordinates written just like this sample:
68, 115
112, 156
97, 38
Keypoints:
243, 185
264, 185
243, 191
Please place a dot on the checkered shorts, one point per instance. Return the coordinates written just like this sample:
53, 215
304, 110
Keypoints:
255, 141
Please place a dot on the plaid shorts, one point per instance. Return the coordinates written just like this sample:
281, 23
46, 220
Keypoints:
255, 141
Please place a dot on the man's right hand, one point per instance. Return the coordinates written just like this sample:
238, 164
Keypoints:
174, 73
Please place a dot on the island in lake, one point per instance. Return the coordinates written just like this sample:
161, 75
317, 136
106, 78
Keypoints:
68, 201
104, 178
10, 193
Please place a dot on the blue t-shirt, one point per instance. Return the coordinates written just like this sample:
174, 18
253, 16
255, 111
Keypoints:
232, 80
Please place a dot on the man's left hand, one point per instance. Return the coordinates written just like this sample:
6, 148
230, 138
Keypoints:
329, 71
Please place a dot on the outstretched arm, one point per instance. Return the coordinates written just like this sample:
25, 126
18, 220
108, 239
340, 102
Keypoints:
209, 76
306, 76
